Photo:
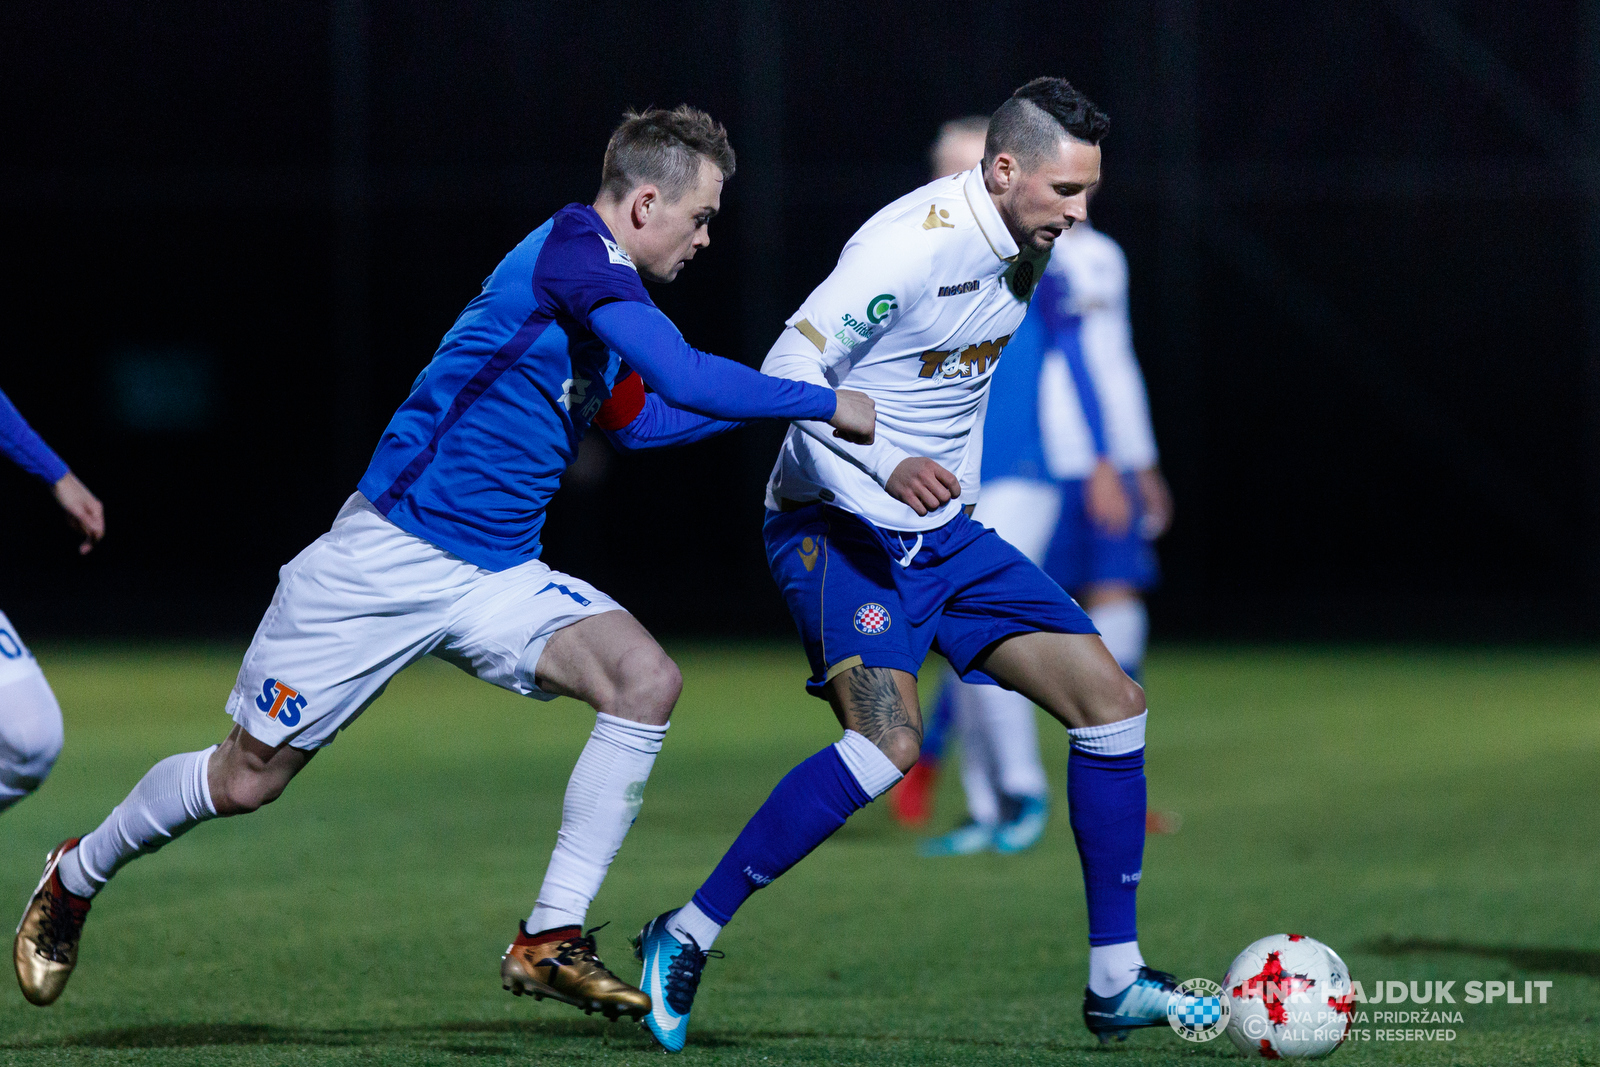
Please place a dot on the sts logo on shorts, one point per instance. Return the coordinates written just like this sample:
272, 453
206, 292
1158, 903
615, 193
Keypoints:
281, 702
872, 619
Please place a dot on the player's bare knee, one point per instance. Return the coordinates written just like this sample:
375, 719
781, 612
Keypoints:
902, 745
647, 687
1129, 702
245, 790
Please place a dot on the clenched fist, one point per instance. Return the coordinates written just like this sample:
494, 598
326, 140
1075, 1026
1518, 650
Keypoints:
923, 485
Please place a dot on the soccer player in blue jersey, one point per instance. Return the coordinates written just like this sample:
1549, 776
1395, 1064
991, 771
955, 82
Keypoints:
879, 561
30, 718
438, 553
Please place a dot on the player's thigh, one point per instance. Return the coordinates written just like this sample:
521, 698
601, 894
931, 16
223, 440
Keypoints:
611, 662
839, 583
355, 608
1071, 676
999, 593
880, 703
541, 633
1023, 511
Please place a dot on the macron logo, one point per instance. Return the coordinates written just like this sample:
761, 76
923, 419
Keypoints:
615, 253
957, 290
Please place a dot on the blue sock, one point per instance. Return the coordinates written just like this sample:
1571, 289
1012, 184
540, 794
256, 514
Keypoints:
811, 802
1106, 796
937, 731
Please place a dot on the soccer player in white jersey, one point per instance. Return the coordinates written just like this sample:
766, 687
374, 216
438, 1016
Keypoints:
30, 718
879, 561
1070, 477
437, 553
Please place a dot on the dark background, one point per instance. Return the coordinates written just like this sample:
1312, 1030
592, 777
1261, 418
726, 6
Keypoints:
1364, 241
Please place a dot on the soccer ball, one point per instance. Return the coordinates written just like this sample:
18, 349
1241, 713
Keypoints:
1290, 998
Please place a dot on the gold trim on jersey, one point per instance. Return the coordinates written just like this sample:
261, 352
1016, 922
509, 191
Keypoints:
812, 334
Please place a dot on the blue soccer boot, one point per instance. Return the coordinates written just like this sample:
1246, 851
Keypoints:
1022, 823
965, 840
671, 976
1144, 1003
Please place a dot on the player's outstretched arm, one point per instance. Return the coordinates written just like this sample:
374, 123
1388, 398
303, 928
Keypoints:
704, 384
633, 419
27, 449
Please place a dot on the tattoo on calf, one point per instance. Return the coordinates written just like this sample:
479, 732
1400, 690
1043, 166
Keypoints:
876, 706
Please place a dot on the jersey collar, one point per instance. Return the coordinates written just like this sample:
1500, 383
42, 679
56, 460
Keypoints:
990, 224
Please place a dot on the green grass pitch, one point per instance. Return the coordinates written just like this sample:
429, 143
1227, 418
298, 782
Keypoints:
1432, 815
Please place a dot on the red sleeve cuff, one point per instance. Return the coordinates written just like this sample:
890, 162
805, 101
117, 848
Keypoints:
624, 405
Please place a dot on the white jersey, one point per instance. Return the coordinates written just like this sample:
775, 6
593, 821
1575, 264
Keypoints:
1095, 273
915, 315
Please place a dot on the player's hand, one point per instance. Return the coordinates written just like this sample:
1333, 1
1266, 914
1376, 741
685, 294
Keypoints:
855, 417
1108, 503
1157, 499
85, 509
922, 485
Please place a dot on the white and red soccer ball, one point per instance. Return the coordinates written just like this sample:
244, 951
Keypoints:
1289, 997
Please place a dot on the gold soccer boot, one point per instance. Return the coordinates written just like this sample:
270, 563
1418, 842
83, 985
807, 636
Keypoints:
561, 964
46, 948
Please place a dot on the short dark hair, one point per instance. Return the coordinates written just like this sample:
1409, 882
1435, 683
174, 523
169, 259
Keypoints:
1037, 116
663, 148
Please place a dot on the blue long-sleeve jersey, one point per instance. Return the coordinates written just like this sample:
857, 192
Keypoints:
472, 457
25, 447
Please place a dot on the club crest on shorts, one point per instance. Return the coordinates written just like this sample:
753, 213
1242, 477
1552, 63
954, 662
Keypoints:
281, 701
872, 619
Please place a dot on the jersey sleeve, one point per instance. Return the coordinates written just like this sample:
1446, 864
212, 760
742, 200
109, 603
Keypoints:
696, 381
633, 419
580, 270
25, 447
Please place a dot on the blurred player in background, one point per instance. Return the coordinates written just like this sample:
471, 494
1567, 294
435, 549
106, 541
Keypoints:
1070, 477
438, 553
879, 560
30, 718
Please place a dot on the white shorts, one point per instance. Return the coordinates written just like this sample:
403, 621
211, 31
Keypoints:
367, 599
16, 662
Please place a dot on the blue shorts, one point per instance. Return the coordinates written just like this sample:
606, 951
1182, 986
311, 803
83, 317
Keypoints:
1081, 554
855, 605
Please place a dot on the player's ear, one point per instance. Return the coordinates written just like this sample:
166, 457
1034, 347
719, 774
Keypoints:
644, 201
1003, 171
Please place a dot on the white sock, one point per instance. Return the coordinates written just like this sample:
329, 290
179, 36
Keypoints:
689, 923
30, 735
1013, 733
1124, 626
1113, 738
172, 797
603, 798
977, 756
1112, 968
874, 772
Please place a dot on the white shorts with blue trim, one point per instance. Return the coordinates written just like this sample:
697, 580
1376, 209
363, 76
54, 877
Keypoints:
366, 600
